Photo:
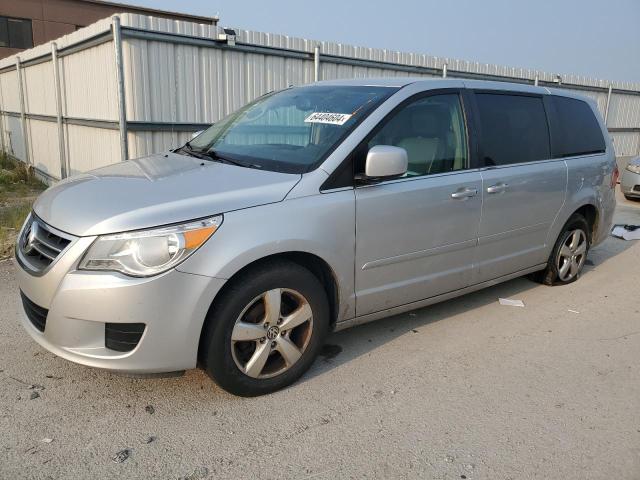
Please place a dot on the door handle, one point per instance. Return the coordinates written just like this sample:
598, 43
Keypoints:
497, 188
464, 193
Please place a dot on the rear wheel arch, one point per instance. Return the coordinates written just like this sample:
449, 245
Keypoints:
553, 273
590, 214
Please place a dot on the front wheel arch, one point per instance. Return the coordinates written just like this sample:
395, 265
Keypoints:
224, 356
315, 264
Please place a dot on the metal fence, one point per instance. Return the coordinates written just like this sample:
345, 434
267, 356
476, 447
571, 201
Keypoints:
133, 85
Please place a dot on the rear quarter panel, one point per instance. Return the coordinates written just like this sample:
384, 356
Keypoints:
588, 183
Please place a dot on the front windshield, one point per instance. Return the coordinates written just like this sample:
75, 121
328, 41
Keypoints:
292, 130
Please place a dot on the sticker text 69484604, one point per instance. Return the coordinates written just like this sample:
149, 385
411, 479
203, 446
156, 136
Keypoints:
328, 117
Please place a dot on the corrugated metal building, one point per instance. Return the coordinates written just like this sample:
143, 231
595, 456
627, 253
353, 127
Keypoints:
28, 23
132, 85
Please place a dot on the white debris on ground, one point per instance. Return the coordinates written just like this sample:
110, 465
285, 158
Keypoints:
626, 232
511, 302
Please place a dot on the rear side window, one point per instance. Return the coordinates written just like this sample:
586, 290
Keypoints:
514, 129
575, 129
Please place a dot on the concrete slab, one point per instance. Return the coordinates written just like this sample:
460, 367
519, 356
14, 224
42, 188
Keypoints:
464, 389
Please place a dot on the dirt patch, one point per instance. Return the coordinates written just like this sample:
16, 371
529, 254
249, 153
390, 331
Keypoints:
18, 190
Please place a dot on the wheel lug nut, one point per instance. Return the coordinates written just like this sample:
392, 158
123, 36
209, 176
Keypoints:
273, 344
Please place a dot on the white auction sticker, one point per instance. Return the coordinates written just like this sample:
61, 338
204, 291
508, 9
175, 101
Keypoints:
327, 117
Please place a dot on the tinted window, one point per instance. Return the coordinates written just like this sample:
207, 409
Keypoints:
15, 33
431, 130
514, 129
576, 130
4, 32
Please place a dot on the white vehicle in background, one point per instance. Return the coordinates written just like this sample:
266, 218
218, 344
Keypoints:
630, 180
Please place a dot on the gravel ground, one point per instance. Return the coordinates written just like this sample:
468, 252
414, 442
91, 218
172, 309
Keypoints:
463, 389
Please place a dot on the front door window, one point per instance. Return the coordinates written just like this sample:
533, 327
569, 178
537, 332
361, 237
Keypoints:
432, 131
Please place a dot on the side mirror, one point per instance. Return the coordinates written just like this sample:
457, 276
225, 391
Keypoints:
385, 161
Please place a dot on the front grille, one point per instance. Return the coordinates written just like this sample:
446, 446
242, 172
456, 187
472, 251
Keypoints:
40, 245
122, 337
36, 314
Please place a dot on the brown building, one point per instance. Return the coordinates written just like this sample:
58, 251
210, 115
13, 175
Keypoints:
27, 23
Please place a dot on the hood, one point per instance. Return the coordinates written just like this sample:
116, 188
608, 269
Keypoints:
634, 161
156, 190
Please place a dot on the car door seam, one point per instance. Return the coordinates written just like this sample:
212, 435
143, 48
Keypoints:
564, 201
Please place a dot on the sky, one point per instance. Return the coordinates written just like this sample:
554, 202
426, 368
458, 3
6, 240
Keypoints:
595, 38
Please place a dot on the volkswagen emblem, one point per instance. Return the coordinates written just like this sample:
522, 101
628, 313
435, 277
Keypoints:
29, 238
273, 332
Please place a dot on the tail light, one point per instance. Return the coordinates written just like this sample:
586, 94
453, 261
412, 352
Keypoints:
614, 176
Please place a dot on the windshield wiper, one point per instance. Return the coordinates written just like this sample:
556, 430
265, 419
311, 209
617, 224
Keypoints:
189, 150
216, 156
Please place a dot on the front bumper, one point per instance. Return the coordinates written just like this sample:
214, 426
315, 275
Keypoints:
630, 183
172, 306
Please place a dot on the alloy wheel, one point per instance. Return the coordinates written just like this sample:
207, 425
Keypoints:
572, 255
271, 333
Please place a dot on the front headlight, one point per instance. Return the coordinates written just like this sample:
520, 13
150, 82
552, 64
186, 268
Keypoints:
148, 252
633, 168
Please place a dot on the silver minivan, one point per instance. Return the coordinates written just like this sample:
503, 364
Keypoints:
308, 210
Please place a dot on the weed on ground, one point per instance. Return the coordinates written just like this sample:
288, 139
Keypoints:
18, 189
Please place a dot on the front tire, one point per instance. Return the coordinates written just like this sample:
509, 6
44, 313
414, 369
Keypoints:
266, 329
569, 253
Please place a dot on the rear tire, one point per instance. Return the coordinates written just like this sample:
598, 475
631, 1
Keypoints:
266, 329
568, 255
